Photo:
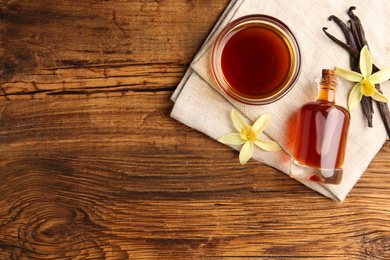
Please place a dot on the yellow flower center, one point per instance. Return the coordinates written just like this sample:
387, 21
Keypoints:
367, 88
248, 133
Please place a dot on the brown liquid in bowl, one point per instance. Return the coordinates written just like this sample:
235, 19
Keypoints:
256, 61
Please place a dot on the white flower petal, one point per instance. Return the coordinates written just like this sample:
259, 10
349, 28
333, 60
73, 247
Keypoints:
365, 62
380, 76
379, 97
261, 123
246, 152
232, 139
269, 146
354, 97
350, 75
238, 121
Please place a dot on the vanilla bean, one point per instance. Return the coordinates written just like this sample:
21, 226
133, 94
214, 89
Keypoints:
354, 52
355, 33
348, 35
385, 113
383, 107
344, 28
359, 26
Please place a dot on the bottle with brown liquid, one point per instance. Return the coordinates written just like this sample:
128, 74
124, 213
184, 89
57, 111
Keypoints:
321, 136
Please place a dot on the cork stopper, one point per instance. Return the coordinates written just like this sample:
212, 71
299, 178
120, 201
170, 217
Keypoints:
330, 75
329, 78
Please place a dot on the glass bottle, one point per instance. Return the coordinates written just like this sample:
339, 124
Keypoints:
321, 136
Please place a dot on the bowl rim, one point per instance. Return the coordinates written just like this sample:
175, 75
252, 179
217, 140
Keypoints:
291, 38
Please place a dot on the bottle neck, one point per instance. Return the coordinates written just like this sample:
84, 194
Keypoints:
327, 92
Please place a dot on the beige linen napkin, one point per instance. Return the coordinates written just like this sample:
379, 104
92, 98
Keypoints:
200, 105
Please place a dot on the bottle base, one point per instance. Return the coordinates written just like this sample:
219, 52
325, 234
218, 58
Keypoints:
303, 172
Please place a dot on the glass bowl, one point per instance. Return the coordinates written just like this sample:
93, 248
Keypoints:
256, 59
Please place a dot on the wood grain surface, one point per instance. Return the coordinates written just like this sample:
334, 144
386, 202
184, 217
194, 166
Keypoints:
93, 167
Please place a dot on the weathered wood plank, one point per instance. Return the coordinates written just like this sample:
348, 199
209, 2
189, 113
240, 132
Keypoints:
95, 81
114, 177
51, 49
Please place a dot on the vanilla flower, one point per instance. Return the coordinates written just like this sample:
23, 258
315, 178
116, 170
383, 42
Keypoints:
248, 135
365, 80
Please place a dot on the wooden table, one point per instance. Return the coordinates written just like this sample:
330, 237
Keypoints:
93, 167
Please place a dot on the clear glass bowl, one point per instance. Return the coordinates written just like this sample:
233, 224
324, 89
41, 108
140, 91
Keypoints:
256, 21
